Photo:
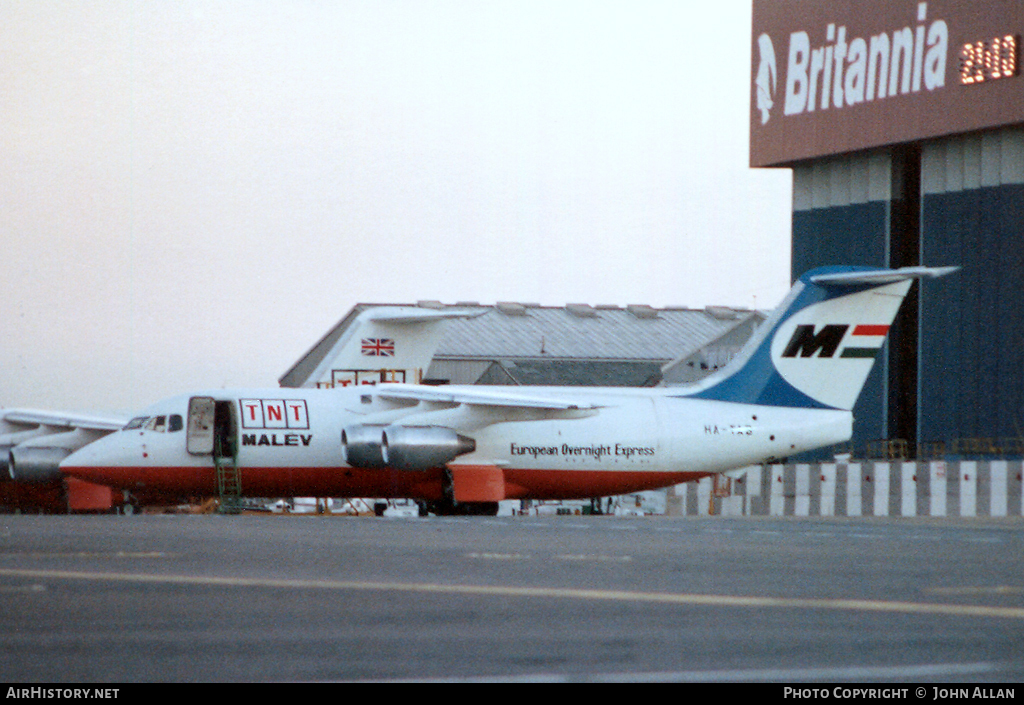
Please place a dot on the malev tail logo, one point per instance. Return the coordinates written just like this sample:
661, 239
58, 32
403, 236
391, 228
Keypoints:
830, 361
864, 341
827, 349
767, 77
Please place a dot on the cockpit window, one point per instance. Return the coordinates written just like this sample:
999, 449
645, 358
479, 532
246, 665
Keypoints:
160, 424
135, 423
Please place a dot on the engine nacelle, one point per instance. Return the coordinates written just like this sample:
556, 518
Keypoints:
423, 447
11, 440
362, 446
34, 464
402, 447
38, 458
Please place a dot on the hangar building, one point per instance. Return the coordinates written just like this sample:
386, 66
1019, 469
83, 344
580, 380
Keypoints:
574, 345
903, 123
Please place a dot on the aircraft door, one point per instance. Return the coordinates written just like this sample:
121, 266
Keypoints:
211, 427
201, 414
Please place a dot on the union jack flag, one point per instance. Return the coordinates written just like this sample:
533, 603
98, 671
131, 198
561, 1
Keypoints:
379, 347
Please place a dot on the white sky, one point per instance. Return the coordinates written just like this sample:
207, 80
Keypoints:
193, 192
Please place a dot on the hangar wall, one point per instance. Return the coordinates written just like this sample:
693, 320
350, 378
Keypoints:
841, 216
903, 123
963, 203
840, 211
972, 327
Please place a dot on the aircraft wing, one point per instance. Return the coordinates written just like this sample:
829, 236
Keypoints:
33, 442
430, 433
91, 422
463, 395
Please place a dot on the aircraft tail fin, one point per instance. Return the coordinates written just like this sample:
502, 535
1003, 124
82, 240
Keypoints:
817, 348
380, 344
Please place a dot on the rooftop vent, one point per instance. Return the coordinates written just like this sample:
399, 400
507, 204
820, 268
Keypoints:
722, 313
581, 310
643, 311
511, 308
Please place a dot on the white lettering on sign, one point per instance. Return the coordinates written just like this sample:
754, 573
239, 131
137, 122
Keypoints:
274, 413
844, 72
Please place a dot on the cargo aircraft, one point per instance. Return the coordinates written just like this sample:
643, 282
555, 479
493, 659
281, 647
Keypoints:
462, 449
383, 343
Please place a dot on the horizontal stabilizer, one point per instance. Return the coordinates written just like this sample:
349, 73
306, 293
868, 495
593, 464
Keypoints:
817, 349
880, 276
400, 316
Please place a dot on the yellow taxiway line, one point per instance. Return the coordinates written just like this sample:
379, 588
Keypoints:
666, 598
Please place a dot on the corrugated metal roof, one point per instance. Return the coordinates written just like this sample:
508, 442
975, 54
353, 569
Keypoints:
514, 331
580, 373
603, 334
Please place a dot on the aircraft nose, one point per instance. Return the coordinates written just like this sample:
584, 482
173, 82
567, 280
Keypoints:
92, 461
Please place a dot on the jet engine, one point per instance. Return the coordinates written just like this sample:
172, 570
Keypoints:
403, 447
32, 464
37, 458
422, 447
361, 446
11, 440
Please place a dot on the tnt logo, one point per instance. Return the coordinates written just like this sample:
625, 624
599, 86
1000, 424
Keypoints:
274, 413
349, 378
865, 341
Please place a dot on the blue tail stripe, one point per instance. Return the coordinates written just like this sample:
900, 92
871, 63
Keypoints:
757, 381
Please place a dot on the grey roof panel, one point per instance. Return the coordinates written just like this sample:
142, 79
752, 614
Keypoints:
607, 334
511, 331
584, 373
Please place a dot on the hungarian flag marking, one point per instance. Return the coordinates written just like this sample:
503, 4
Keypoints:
863, 346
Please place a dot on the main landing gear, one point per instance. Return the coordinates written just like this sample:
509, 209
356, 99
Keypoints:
463, 509
448, 506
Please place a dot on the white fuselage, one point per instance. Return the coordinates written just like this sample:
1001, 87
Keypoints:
627, 440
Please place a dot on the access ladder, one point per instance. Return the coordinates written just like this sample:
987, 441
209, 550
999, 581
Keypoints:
229, 477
